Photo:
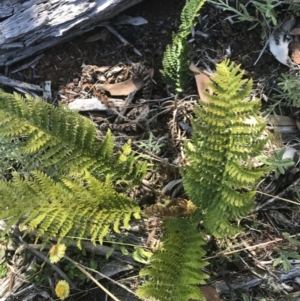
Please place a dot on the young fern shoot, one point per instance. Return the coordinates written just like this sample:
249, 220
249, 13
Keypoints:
176, 60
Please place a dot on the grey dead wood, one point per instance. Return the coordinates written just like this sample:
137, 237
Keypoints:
248, 281
30, 27
6, 81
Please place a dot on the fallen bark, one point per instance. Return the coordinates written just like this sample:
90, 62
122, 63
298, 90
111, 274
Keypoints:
6, 81
30, 27
250, 280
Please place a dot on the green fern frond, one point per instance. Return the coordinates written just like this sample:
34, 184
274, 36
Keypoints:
47, 128
106, 148
188, 15
228, 132
176, 64
79, 206
175, 270
176, 60
62, 140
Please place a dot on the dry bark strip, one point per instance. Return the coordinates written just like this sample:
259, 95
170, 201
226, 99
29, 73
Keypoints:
250, 280
6, 81
30, 27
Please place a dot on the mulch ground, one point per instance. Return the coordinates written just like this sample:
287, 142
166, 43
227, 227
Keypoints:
161, 140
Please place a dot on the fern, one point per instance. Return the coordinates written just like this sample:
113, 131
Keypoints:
228, 132
61, 140
78, 206
175, 270
176, 60
219, 180
69, 191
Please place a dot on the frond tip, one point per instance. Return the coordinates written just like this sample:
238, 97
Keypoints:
176, 60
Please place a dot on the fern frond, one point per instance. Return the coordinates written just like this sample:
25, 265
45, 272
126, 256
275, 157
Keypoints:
228, 132
79, 206
176, 60
175, 270
189, 13
62, 140
47, 127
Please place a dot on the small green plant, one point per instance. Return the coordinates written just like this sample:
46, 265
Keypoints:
242, 295
284, 256
175, 271
277, 163
78, 256
115, 246
290, 250
151, 146
297, 192
141, 255
73, 272
176, 60
267, 8
290, 86
3, 269
11, 159
241, 13
5, 240
294, 7
39, 274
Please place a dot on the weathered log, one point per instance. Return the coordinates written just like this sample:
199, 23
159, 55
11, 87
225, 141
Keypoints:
30, 27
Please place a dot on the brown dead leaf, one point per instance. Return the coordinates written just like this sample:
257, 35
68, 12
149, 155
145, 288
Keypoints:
202, 81
210, 293
123, 88
295, 50
295, 31
280, 120
151, 72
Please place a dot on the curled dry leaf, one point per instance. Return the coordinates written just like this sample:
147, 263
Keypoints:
295, 50
125, 88
295, 31
202, 81
280, 120
209, 293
